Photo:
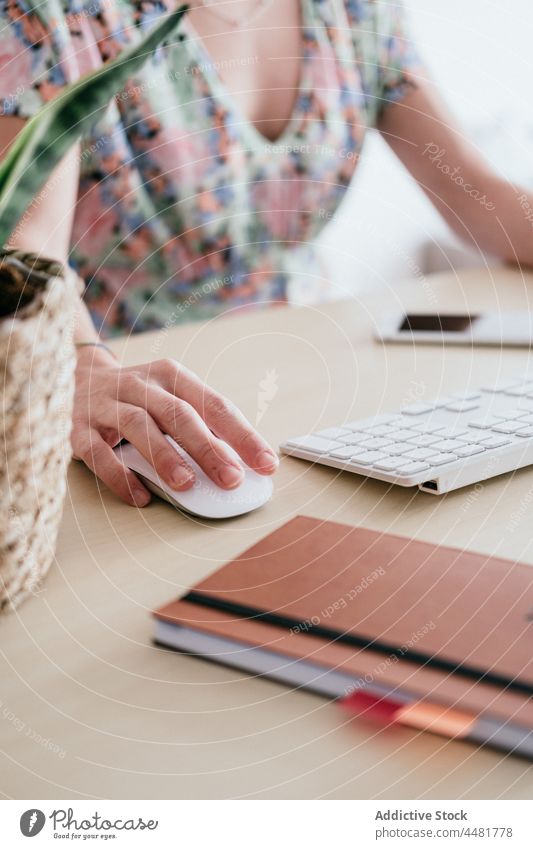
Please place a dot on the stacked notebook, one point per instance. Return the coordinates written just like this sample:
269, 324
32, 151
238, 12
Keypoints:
428, 636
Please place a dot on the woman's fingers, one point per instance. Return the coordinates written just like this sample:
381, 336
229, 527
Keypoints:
230, 424
220, 415
177, 418
89, 446
139, 428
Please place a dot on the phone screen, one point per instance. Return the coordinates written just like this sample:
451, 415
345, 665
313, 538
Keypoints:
425, 323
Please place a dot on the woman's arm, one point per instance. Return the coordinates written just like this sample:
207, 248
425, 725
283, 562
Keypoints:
143, 402
47, 227
477, 203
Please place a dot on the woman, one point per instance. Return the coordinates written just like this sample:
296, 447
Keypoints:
208, 179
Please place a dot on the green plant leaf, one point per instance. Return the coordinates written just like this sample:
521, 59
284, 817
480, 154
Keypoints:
46, 138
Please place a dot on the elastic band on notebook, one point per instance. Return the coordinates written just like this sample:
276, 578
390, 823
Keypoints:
435, 662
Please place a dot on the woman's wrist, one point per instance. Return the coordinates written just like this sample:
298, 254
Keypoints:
89, 346
94, 352
95, 344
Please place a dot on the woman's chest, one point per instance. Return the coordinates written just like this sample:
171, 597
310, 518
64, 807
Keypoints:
260, 65
196, 127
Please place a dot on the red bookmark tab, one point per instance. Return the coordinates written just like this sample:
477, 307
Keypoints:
363, 703
439, 719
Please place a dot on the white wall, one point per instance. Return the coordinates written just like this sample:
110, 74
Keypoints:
480, 52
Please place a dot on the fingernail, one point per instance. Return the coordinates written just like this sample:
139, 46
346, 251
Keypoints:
182, 477
266, 460
141, 497
230, 476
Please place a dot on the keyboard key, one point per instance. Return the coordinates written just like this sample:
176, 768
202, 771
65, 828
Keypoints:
441, 459
370, 425
486, 423
467, 396
400, 435
509, 427
413, 468
519, 391
526, 433
381, 430
376, 443
472, 438
368, 458
494, 441
343, 453
420, 453
442, 402
400, 448
404, 422
390, 464
417, 409
452, 432
425, 439
469, 450
509, 414
462, 406
315, 444
527, 418
352, 438
427, 427
332, 432
448, 445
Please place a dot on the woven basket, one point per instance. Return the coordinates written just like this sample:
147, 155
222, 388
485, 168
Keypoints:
37, 360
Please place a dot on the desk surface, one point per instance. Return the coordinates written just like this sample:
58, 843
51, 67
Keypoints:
90, 708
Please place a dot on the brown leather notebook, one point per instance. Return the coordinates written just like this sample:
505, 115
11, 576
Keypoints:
370, 609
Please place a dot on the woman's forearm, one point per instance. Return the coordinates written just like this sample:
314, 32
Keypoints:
509, 234
46, 227
85, 330
478, 204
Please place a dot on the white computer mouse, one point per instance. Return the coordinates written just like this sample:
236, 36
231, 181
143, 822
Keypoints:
204, 498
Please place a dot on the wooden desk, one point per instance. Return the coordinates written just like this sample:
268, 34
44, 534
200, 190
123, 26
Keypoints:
89, 708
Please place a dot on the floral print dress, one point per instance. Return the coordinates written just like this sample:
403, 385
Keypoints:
184, 209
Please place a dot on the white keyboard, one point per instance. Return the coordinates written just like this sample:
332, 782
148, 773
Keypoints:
437, 445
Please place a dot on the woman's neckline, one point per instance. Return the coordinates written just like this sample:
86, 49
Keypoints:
256, 137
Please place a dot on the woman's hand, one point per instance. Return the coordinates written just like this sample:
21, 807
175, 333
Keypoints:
140, 404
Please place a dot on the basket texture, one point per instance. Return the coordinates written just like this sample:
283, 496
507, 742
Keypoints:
37, 361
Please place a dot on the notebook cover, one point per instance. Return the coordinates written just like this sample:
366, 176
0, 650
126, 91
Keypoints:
456, 607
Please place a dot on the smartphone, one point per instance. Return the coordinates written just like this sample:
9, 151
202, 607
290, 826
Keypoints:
513, 329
